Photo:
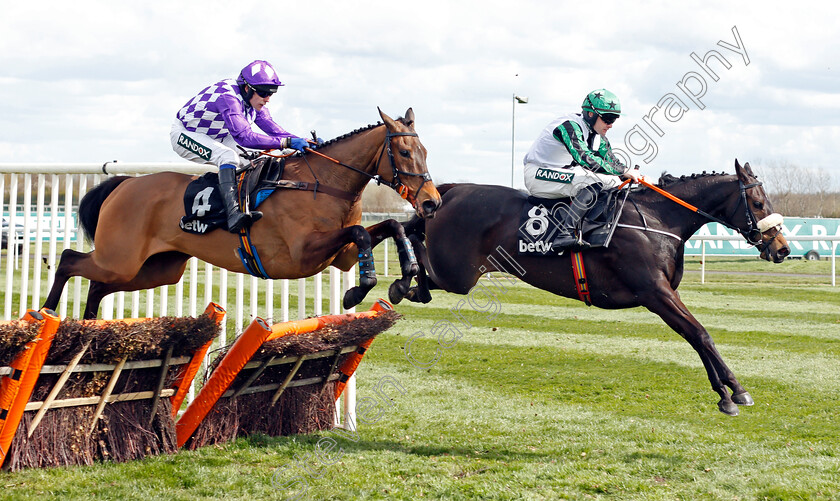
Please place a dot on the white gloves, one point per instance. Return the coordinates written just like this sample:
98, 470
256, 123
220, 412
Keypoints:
633, 174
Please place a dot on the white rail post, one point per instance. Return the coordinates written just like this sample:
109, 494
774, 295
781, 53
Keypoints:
12, 246
269, 300
284, 300
385, 261
208, 284
8, 237
255, 298
51, 260
69, 232
24, 267
349, 395
39, 247
223, 302
240, 300
80, 245
301, 298
318, 296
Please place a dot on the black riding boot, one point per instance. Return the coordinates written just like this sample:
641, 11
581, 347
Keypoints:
568, 234
236, 219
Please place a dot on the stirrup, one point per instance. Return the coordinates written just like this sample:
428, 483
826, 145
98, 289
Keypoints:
241, 220
564, 241
237, 222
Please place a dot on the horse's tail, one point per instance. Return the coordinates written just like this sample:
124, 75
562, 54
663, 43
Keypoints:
91, 203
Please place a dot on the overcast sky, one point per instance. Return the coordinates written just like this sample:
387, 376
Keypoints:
92, 81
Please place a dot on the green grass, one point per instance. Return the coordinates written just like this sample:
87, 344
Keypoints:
550, 399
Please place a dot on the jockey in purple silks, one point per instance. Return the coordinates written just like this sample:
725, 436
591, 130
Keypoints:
212, 124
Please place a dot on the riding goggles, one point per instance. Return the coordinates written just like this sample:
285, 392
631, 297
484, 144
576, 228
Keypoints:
264, 90
609, 118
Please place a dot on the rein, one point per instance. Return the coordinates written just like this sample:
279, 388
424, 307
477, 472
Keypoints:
753, 235
395, 183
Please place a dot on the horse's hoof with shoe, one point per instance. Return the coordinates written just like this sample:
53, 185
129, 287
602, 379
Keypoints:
743, 398
353, 296
728, 407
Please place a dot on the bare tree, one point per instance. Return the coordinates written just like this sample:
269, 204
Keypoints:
800, 191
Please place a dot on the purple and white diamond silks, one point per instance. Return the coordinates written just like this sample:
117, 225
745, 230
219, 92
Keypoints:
203, 113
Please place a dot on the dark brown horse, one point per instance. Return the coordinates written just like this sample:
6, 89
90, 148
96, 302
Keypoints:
133, 221
475, 232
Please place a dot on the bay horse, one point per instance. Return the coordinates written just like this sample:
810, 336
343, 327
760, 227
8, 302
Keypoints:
138, 244
475, 232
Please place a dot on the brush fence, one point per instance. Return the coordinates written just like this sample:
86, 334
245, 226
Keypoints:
282, 379
76, 392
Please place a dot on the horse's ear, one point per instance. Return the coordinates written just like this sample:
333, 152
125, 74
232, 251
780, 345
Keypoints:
744, 173
389, 122
409, 118
748, 169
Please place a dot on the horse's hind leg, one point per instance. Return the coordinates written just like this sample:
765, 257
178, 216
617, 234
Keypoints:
71, 264
165, 268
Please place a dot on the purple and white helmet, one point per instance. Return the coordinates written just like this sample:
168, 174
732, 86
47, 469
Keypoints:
260, 76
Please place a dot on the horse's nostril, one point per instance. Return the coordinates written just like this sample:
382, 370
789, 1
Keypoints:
429, 206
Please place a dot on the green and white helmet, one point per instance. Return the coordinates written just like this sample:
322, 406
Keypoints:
602, 102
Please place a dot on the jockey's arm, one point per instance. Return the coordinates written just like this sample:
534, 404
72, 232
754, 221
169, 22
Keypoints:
269, 126
571, 136
241, 131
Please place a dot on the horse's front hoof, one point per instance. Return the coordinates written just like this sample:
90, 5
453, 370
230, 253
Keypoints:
743, 398
416, 295
353, 296
728, 407
397, 292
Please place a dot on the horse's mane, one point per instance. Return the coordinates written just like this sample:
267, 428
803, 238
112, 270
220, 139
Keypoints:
360, 130
667, 179
351, 134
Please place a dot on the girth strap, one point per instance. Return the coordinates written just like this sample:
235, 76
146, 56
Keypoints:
581, 283
248, 254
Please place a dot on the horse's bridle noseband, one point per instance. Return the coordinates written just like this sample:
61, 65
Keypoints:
396, 183
753, 235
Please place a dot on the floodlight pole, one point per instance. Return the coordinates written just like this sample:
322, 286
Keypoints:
520, 100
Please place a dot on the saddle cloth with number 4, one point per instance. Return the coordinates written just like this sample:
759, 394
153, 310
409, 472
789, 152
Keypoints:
203, 206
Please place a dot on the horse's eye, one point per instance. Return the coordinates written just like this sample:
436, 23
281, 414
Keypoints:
405, 153
758, 205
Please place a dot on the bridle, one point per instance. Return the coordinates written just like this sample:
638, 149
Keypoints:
756, 228
395, 183
754, 233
